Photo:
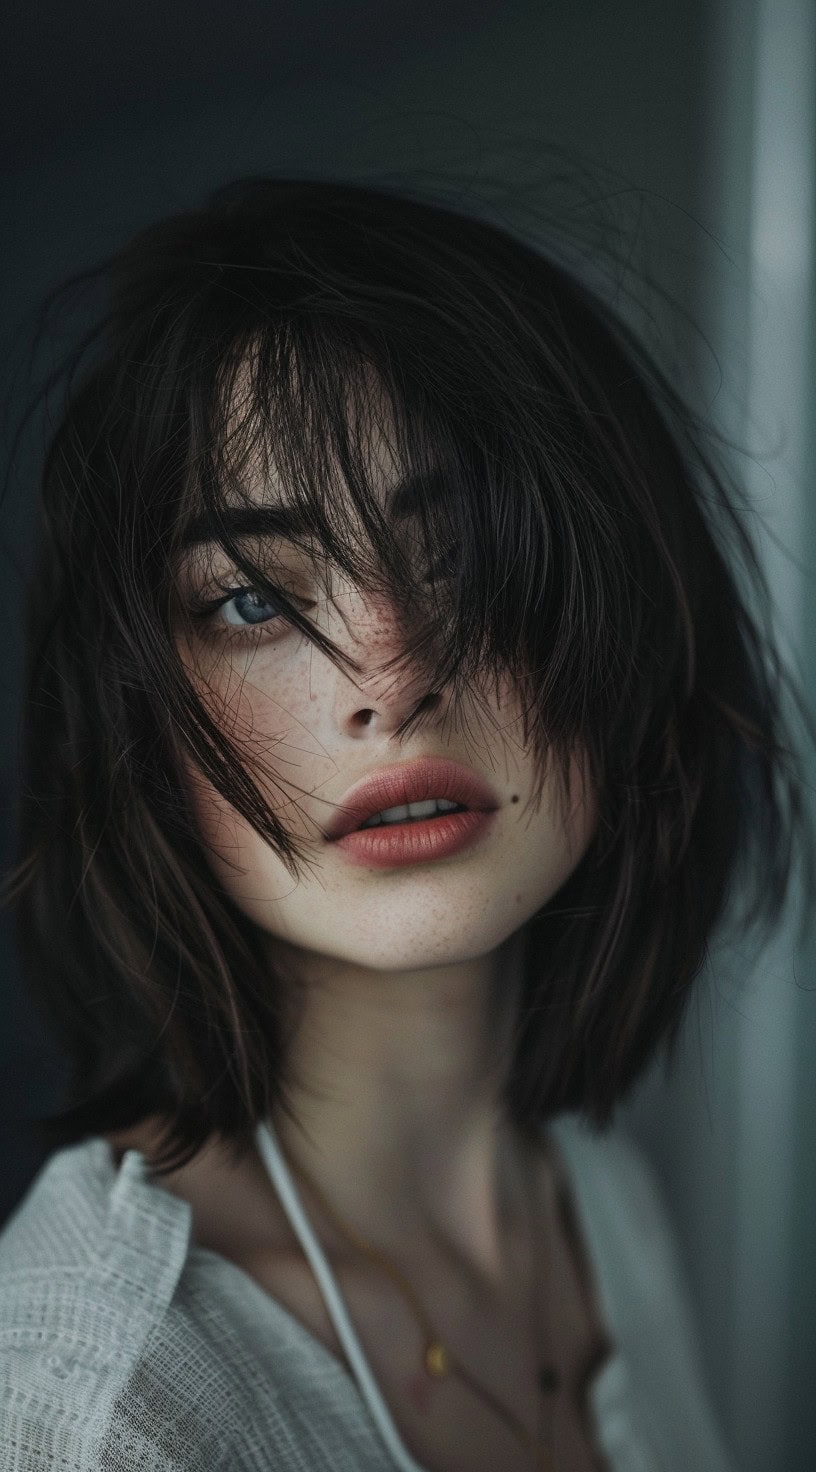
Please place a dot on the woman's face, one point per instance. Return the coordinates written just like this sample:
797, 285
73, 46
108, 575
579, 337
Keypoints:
317, 731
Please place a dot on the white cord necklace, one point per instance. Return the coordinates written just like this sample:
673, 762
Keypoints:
281, 1176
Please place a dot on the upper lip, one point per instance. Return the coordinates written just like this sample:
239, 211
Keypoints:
414, 781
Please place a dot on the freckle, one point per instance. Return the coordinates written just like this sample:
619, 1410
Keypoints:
514, 798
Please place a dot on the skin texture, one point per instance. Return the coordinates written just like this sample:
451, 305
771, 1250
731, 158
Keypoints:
410, 975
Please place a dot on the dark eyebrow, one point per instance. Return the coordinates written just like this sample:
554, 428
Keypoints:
406, 494
244, 521
286, 521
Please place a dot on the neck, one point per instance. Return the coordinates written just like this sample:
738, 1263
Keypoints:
396, 1082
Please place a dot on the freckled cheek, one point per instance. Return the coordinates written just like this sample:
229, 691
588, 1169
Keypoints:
287, 700
235, 853
274, 726
215, 819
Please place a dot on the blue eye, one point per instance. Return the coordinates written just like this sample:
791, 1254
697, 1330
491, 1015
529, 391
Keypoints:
250, 606
254, 612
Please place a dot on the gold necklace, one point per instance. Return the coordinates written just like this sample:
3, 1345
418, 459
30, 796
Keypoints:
438, 1361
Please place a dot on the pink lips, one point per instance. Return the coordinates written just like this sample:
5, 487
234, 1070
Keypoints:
414, 781
395, 845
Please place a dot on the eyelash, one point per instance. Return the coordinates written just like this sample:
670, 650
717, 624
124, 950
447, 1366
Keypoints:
204, 614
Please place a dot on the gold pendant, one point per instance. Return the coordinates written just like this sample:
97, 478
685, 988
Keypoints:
437, 1362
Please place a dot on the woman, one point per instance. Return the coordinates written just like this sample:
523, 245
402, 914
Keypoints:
394, 730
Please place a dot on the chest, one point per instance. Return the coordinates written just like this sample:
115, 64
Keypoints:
463, 1422
467, 1421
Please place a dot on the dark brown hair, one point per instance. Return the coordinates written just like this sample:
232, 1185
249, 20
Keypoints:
576, 531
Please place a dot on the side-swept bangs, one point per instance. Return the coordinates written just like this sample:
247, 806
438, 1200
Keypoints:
425, 405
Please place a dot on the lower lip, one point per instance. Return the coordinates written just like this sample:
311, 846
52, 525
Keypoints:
389, 846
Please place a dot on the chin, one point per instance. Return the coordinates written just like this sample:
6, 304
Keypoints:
405, 953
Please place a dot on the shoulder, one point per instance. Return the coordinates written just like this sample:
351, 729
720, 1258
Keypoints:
90, 1267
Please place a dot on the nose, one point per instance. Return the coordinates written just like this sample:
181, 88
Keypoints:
377, 698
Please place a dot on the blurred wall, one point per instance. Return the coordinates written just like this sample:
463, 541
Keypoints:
123, 117
760, 306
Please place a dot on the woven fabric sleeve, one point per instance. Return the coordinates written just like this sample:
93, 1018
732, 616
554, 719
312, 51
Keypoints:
85, 1280
126, 1347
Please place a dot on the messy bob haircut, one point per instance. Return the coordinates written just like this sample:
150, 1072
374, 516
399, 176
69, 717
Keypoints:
553, 514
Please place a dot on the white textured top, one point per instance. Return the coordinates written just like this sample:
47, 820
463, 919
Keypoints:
126, 1347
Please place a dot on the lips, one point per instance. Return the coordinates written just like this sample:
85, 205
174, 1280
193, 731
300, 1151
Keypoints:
415, 781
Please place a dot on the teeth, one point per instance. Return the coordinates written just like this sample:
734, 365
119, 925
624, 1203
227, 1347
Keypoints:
409, 810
